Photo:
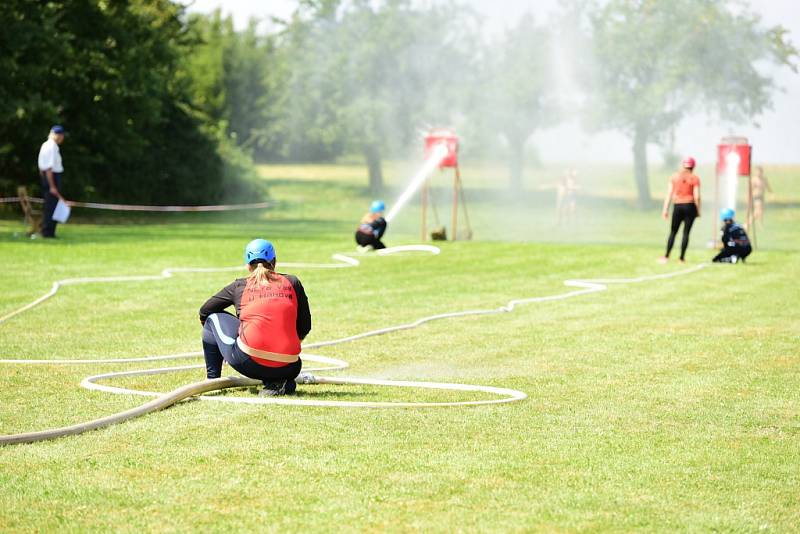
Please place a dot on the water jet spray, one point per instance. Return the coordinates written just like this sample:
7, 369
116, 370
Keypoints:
433, 160
441, 150
733, 161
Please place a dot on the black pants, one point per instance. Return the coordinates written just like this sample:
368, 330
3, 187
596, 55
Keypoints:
50, 201
686, 214
219, 342
369, 239
741, 252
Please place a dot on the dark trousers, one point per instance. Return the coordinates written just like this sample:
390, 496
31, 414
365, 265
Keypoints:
686, 214
219, 343
740, 251
369, 239
50, 201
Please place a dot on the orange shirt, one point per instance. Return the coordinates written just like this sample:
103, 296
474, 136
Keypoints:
683, 184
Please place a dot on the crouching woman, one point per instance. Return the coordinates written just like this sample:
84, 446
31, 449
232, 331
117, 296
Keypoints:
272, 317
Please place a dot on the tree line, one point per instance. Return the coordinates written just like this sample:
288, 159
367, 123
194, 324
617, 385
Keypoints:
117, 75
167, 106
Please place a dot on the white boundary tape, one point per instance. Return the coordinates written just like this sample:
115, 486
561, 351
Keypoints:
138, 207
343, 261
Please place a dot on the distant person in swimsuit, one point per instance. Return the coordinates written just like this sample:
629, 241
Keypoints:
566, 199
372, 227
684, 193
760, 187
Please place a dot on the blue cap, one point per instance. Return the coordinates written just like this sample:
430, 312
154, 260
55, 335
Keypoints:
57, 128
259, 249
377, 206
725, 214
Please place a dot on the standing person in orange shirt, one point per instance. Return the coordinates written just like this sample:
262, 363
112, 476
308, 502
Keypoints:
684, 193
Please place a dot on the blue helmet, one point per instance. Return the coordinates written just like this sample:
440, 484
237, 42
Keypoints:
725, 214
259, 249
377, 205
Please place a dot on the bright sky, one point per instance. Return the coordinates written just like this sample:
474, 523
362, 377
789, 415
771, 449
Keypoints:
776, 138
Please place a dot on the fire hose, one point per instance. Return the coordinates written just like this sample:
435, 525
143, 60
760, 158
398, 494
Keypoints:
164, 400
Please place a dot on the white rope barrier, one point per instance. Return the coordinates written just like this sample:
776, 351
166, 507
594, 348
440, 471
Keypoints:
12, 200
163, 400
137, 207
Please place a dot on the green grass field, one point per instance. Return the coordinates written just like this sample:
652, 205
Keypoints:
668, 406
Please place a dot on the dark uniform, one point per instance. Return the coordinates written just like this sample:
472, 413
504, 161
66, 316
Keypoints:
370, 233
736, 244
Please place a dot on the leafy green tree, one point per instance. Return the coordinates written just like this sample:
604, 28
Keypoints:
520, 90
228, 72
659, 61
307, 79
110, 71
365, 76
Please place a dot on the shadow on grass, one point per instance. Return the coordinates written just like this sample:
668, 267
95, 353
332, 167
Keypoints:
303, 392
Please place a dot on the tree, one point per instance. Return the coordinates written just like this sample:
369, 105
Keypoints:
110, 71
362, 76
521, 92
659, 61
228, 72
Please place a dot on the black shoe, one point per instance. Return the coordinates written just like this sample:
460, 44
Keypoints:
291, 387
275, 389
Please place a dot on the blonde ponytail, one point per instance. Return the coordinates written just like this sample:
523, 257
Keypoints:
262, 274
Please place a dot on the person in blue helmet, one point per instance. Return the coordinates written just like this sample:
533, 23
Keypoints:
372, 227
272, 318
735, 243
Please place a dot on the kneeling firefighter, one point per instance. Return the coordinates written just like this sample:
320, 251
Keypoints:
372, 227
735, 243
272, 317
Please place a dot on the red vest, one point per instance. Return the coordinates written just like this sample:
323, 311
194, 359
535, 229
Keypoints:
268, 319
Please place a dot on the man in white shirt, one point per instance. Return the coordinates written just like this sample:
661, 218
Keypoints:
50, 171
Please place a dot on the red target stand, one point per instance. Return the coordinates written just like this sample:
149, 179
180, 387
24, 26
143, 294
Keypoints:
448, 138
734, 155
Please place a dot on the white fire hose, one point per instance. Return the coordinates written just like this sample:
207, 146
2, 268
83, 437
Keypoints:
164, 400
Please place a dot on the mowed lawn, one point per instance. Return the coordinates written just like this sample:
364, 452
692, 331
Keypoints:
671, 405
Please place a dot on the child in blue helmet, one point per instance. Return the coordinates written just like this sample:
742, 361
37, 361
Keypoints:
735, 243
372, 227
272, 317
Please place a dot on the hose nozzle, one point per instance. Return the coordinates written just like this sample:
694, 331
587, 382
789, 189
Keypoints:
306, 378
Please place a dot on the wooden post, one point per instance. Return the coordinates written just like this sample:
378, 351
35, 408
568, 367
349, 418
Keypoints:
715, 213
424, 208
455, 204
751, 218
464, 206
31, 218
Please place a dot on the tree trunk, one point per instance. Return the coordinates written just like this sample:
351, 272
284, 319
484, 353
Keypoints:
640, 166
516, 162
373, 157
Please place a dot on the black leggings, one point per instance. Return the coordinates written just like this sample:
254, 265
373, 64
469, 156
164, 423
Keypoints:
369, 239
686, 214
219, 342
